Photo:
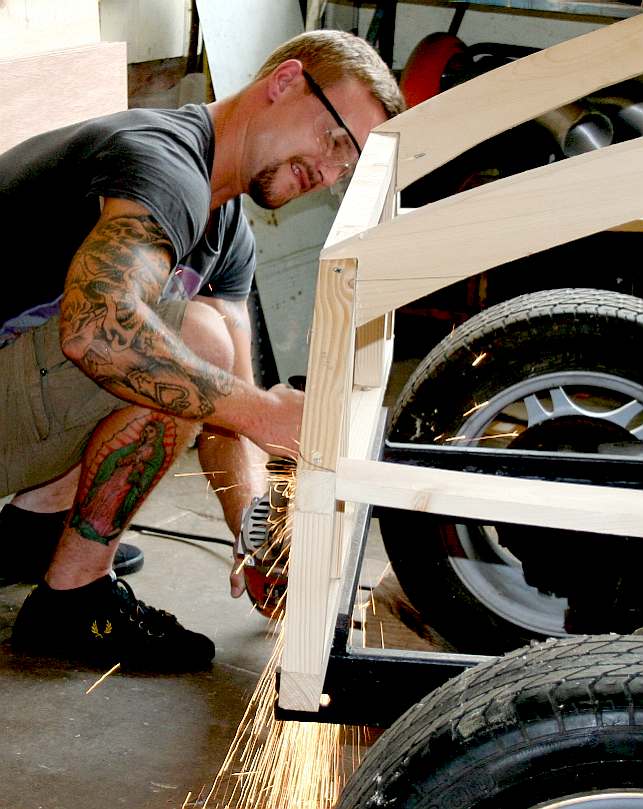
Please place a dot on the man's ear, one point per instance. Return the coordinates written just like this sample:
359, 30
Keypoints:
285, 78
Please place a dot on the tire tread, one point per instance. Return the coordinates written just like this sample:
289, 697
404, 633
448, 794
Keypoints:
560, 686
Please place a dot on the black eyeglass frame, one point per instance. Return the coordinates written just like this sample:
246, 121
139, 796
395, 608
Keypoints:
319, 93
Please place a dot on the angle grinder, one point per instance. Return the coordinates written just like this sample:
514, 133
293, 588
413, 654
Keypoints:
264, 540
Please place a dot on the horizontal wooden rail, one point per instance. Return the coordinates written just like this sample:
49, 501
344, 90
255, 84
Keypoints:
454, 238
549, 504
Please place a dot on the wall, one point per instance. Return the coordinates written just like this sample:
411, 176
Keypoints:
153, 29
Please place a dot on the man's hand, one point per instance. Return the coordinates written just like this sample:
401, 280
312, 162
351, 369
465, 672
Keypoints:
280, 424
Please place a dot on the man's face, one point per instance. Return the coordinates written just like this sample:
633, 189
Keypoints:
309, 149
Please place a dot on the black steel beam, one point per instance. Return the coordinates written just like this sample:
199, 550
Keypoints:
610, 469
375, 687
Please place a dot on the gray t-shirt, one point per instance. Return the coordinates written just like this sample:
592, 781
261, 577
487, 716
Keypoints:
50, 189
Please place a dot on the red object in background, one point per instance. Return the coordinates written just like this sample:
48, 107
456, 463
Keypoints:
423, 72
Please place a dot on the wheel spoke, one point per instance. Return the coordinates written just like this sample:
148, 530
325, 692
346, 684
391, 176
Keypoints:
624, 415
536, 412
563, 405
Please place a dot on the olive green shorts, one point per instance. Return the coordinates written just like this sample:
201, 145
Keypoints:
48, 407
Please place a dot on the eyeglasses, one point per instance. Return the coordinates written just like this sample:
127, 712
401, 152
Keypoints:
340, 148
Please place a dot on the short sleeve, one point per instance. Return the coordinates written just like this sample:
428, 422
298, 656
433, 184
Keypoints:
162, 174
233, 276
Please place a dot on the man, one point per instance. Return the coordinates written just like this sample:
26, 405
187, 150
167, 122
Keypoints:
129, 331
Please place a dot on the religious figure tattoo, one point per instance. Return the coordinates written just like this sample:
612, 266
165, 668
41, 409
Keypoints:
120, 477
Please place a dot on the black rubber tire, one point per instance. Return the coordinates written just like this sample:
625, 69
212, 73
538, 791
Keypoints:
523, 338
556, 719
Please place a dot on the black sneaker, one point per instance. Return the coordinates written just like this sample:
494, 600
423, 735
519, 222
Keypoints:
103, 623
28, 558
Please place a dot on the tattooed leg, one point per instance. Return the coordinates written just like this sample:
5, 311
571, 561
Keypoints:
127, 455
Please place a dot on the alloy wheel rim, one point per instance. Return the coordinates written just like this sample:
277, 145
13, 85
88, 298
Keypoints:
487, 569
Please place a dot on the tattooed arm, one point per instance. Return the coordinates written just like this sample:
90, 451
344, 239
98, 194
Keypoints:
109, 329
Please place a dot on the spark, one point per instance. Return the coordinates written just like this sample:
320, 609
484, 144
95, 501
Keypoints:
281, 446
103, 678
227, 488
475, 407
195, 474
479, 359
272, 764
512, 434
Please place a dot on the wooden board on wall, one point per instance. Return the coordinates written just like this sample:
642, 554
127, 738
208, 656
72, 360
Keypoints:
50, 90
28, 27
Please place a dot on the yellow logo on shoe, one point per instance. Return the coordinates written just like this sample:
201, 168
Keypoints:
96, 631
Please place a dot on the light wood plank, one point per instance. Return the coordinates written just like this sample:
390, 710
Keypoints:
549, 504
44, 92
311, 608
457, 237
318, 544
368, 194
370, 353
436, 131
330, 365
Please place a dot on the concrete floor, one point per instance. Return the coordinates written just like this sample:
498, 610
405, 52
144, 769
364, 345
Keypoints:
137, 740
141, 741
144, 741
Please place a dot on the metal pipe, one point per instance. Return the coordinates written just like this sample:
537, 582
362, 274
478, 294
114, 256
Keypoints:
626, 100
578, 129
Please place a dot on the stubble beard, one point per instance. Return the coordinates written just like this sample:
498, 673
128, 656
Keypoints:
260, 189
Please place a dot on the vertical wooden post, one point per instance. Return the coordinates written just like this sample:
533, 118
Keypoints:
316, 553
371, 353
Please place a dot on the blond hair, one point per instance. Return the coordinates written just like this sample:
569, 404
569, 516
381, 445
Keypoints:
330, 56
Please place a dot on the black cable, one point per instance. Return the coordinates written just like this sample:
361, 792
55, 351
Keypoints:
162, 532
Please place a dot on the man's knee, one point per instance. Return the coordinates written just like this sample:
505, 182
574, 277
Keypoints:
205, 332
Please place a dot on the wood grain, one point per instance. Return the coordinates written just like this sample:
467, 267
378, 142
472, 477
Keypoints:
436, 131
54, 89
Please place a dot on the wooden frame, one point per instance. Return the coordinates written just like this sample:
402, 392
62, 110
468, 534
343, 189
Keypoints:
376, 260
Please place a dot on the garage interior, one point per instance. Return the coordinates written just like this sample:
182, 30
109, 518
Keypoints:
159, 741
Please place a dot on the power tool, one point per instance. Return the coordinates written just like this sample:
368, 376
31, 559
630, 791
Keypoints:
265, 540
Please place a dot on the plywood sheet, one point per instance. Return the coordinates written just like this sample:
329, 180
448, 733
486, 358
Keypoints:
28, 27
50, 90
